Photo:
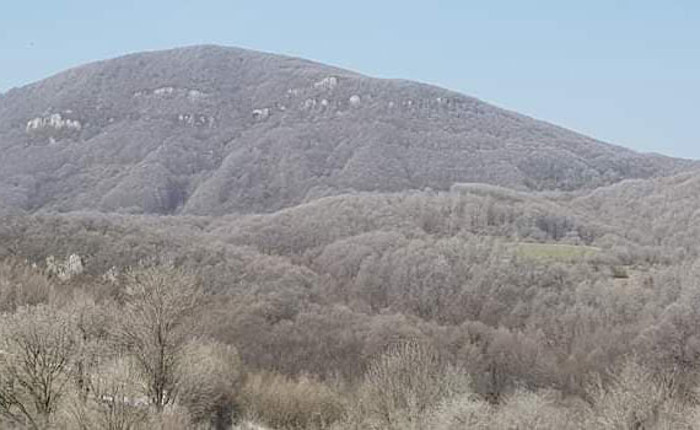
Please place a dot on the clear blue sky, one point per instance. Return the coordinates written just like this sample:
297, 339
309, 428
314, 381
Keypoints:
624, 71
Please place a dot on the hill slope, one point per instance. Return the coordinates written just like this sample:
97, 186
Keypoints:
658, 212
211, 130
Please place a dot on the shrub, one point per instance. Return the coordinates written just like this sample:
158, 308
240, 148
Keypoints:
401, 387
619, 272
533, 410
210, 380
465, 411
115, 399
283, 403
633, 399
22, 285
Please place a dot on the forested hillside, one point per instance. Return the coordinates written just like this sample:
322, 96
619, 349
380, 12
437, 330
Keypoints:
214, 238
209, 131
534, 310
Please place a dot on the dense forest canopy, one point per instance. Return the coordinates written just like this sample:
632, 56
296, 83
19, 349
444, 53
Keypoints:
179, 251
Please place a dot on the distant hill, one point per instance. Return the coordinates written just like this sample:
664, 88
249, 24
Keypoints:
210, 130
661, 211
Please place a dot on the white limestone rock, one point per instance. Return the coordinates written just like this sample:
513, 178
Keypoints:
65, 270
327, 83
74, 265
53, 121
190, 94
163, 91
196, 120
195, 95
309, 104
261, 114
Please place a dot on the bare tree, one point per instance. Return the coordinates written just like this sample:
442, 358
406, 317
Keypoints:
38, 347
403, 385
156, 323
114, 401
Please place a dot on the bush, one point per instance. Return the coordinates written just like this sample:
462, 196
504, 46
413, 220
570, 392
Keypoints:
169, 418
210, 380
619, 272
22, 285
633, 399
283, 403
401, 388
114, 399
462, 412
533, 410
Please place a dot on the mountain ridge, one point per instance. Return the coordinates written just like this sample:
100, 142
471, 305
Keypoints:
214, 130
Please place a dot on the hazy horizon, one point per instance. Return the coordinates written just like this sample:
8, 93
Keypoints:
623, 73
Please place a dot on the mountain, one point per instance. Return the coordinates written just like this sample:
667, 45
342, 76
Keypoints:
213, 130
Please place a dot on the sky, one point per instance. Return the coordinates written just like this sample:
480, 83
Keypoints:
623, 71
